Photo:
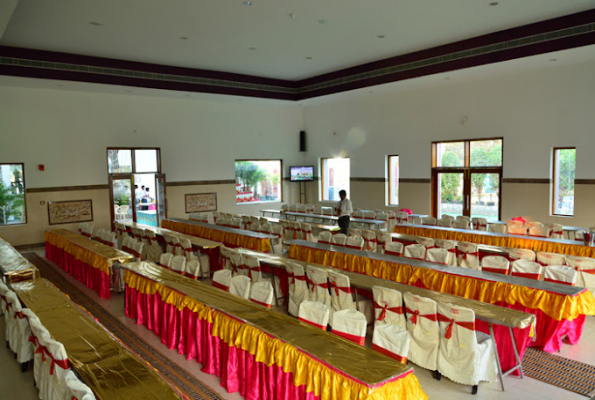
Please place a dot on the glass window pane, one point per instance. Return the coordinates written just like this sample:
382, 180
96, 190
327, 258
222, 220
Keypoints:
119, 161
564, 171
450, 193
393, 180
12, 194
122, 199
258, 181
451, 154
336, 178
486, 153
485, 190
145, 160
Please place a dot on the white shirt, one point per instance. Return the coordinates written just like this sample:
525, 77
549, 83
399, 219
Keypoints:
346, 208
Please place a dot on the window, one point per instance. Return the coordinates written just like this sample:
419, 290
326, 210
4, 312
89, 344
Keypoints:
564, 164
258, 181
335, 177
122, 161
12, 194
466, 178
392, 175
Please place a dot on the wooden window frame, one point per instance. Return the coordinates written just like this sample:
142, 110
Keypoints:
280, 178
322, 174
24, 195
554, 187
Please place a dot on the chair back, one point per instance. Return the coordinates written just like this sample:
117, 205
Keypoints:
178, 264
422, 325
318, 285
388, 307
165, 260
526, 269
325, 237
341, 297
560, 274
545, 258
402, 217
339, 239
447, 222
517, 230
392, 341
539, 231
461, 224
428, 243
415, 251
479, 224
193, 269
520, 254
467, 255
439, 256
350, 325
240, 286
137, 249
314, 313
497, 228
222, 279
307, 233
237, 263
382, 239
395, 249
495, 264
298, 288
355, 242
556, 231
252, 265
262, 293
428, 221
354, 231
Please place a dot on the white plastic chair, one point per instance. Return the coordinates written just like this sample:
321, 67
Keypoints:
422, 326
314, 313
298, 288
495, 264
392, 341
396, 249
240, 286
388, 307
468, 255
415, 251
262, 293
526, 269
318, 285
350, 325
544, 258
222, 279
355, 242
560, 274
465, 356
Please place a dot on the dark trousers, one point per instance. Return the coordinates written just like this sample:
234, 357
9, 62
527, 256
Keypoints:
344, 224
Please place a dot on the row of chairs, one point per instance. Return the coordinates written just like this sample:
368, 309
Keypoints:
31, 341
105, 237
200, 217
260, 292
188, 266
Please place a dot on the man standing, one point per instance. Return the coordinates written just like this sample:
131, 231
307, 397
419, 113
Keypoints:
345, 209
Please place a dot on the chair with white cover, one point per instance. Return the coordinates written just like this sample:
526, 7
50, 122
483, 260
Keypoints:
3, 290
560, 274
468, 255
339, 239
246, 222
186, 246
585, 268
526, 269
154, 252
388, 307
449, 245
382, 239
240, 286
318, 285
355, 242
236, 223
284, 207
415, 251
422, 325
314, 313
402, 217
545, 258
327, 210
59, 367
350, 325
170, 243
495, 264
302, 208
446, 222
262, 293
556, 231
178, 264
293, 207
392, 341
238, 266
440, 256
138, 250
370, 214
110, 239
463, 218
431, 221
520, 254
41, 363
13, 311
193, 269
263, 220
532, 224
307, 233
26, 348
382, 217
354, 231
415, 220
165, 260
298, 288
428, 243
77, 389
222, 279
539, 231
317, 210
392, 220
355, 217
126, 243
19, 328
497, 228
325, 237
216, 216
465, 355
254, 226
296, 227
517, 229
479, 224
395, 249
340, 287
461, 224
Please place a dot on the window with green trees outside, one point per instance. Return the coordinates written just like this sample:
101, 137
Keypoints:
564, 163
12, 194
258, 181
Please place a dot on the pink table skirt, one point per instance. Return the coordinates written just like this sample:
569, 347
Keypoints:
93, 278
192, 336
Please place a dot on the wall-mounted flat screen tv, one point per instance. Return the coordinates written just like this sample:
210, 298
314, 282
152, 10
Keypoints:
301, 173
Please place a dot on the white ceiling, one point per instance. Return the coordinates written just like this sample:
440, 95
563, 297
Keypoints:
220, 33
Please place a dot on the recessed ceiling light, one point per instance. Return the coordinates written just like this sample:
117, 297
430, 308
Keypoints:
95, 23
252, 48
494, 3
247, 3
553, 59
183, 37
322, 21
380, 36
308, 58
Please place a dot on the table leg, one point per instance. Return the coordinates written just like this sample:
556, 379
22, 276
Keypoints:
500, 375
516, 353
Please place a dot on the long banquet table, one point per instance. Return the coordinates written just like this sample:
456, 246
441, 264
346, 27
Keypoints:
255, 350
507, 321
560, 309
104, 364
88, 261
205, 246
561, 246
230, 237
13, 266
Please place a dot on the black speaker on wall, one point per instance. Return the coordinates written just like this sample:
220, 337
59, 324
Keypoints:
302, 140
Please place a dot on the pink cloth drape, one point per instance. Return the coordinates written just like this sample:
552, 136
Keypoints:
93, 278
190, 335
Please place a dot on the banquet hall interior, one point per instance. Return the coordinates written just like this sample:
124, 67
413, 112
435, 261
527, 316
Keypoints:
214, 132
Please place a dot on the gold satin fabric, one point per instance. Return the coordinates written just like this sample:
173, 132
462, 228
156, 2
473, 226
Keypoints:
196, 241
89, 251
104, 364
556, 306
500, 241
14, 266
278, 339
229, 238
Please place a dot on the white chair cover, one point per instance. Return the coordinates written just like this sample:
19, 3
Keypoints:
396, 249
447, 222
355, 242
497, 228
422, 326
382, 217
461, 224
262, 293
297, 229
59, 367
402, 217
284, 207
186, 246
440, 256
479, 224
137, 250
560, 274
339, 239
222, 279
165, 260
415, 251
154, 253
318, 285
532, 224
468, 255
428, 243
193, 269
26, 348
307, 233
517, 230
237, 263
520, 254
526, 269
449, 245
41, 362
325, 237
341, 297
465, 356
178, 264
388, 307
495, 264
171, 244
392, 220
78, 390
298, 288
428, 221
13, 312
314, 313
550, 258
382, 239
240, 286
539, 231
252, 266
350, 325
556, 231
392, 340
585, 268
354, 231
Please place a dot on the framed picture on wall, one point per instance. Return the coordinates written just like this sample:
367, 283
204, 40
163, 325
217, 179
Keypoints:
68, 212
201, 202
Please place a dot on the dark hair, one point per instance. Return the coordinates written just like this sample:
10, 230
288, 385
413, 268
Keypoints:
142, 186
147, 188
342, 193
136, 186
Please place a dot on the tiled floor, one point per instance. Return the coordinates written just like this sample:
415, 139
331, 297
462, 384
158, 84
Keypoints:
15, 385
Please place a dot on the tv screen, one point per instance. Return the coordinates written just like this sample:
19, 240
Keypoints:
301, 173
